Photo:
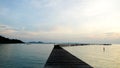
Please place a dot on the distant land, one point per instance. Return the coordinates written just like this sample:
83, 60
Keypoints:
36, 42
39, 42
7, 40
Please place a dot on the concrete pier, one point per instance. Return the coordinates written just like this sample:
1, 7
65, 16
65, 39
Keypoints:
60, 58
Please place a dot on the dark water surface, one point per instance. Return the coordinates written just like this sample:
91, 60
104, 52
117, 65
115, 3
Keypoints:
24, 56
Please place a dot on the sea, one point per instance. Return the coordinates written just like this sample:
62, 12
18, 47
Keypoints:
36, 55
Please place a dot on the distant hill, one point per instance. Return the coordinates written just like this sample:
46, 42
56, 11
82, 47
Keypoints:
36, 42
7, 40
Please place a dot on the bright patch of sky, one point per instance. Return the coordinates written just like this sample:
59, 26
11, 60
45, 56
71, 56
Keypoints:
61, 20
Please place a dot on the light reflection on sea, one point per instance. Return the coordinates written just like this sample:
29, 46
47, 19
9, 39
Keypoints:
96, 56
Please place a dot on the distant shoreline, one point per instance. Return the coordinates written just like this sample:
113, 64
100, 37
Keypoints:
79, 44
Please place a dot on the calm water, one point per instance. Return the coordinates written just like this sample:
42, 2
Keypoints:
35, 55
96, 56
24, 56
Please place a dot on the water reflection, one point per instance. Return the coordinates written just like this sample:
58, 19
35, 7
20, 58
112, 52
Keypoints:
98, 56
24, 56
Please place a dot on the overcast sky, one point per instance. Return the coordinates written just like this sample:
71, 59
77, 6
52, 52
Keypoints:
94, 21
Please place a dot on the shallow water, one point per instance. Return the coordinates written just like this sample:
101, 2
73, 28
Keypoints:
98, 56
24, 56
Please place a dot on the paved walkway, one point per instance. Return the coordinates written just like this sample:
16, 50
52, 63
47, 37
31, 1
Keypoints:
60, 58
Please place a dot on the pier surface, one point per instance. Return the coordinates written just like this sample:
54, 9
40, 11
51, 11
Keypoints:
60, 58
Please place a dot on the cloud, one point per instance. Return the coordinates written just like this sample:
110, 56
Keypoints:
3, 26
39, 4
5, 29
112, 35
62, 19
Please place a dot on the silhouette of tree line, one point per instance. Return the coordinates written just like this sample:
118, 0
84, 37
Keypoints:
7, 40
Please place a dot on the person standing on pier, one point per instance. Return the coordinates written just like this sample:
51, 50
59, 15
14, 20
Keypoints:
103, 49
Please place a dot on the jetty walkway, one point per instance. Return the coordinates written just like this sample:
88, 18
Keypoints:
60, 58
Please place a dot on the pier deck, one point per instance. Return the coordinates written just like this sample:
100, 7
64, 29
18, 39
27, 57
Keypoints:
60, 58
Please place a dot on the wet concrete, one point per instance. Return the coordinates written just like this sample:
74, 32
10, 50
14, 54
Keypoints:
60, 58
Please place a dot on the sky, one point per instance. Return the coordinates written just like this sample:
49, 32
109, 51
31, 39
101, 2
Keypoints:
84, 21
